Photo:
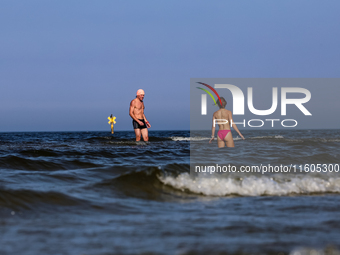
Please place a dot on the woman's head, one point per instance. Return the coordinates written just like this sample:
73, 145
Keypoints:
224, 103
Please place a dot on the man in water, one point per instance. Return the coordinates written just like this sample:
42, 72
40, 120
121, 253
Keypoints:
139, 121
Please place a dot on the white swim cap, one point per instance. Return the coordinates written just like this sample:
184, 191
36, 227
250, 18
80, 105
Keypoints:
140, 92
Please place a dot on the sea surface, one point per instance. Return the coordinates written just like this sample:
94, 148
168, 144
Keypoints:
98, 193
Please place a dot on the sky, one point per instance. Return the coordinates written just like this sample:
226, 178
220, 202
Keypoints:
68, 65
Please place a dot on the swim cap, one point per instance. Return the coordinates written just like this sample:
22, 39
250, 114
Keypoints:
140, 91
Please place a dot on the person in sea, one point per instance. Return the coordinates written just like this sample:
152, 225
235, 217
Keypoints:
139, 121
224, 136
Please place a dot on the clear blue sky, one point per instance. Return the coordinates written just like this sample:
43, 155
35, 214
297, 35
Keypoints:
67, 65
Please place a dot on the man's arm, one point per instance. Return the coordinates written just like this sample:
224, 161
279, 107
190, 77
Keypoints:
146, 121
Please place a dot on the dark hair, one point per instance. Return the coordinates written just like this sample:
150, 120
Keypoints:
224, 103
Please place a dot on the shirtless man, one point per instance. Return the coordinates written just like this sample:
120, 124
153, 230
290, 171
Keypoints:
224, 136
139, 121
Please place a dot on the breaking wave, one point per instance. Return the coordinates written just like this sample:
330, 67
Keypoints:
252, 186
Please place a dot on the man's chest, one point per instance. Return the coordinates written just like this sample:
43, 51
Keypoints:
139, 105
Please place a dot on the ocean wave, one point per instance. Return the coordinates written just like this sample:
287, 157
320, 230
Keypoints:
39, 153
124, 140
144, 183
329, 250
327, 140
252, 186
30, 199
20, 163
267, 137
180, 138
304, 140
199, 138
173, 180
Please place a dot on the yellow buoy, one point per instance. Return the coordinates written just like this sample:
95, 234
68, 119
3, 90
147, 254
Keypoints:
112, 120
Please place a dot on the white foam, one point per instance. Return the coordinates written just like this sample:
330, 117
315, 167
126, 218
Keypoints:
266, 137
310, 251
196, 138
329, 140
237, 138
251, 185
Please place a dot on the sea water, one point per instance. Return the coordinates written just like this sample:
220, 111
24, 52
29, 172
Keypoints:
97, 193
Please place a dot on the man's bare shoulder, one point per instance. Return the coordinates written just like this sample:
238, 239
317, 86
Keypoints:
133, 101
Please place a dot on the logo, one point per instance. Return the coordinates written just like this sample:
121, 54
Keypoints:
239, 104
